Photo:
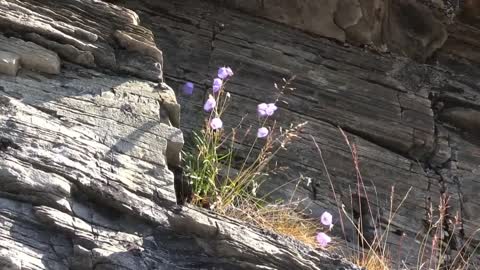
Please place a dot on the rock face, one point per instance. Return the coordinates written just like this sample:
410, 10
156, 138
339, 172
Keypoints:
413, 28
89, 127
30, 56
413, 123
88, 33
87, 143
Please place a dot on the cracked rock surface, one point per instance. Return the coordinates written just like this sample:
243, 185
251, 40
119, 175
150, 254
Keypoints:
414, 124
90, 123
89, 133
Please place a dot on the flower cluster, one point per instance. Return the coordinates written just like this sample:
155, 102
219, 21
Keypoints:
264, 109
262, 132
223, 74
213, 153
217, 85
322, 238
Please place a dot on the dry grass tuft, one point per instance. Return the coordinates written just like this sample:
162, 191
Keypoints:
372, 262
282, 219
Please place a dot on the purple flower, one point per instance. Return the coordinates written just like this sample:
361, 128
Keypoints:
264, 109
217, 85
188, 88
216, 123
210, 104
271, 109
224, 72
262, 132
326, 219
323, 239
261, 109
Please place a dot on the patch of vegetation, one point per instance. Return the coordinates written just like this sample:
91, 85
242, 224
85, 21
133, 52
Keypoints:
226, 168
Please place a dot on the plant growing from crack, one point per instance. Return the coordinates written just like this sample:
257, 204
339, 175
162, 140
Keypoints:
225, 175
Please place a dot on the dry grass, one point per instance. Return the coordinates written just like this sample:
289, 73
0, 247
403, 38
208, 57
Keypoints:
225, 176
282, 219
288, 220
375, 256
372, 262
234, 194
215, 152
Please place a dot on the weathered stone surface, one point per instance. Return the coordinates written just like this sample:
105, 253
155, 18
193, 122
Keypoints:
464, 35
89, 33
464, 118
85, 182
316, 16
415, 28
9, 63
85, 156
31, 55
86, 185
361, 20
389, 107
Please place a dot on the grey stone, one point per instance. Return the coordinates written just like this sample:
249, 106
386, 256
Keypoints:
9, 63
85, 154
32, 56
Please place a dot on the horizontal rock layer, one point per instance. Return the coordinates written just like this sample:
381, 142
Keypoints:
86, 185
88, 33
86, 153
412, 28
400, 114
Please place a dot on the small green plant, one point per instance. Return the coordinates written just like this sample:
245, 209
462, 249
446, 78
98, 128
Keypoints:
216, 182
226, 169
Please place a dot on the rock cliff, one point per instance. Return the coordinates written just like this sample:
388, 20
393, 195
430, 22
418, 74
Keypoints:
89, 133
90, 127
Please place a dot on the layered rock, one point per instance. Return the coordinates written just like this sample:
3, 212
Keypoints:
394, 109
413, 28
88, 137
88, 33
